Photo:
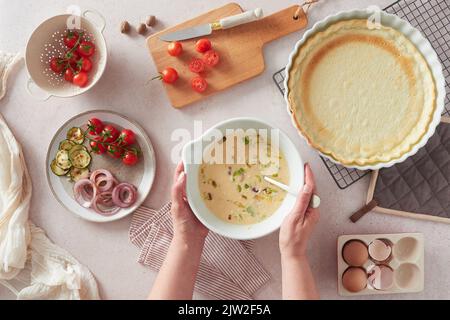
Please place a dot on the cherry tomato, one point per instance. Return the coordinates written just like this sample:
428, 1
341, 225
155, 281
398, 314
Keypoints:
199, 84
72, 57
97, 146
71, 38
169, 75
127, 137
197, 65
211, 58
109, 133
203, 45
57, 64
115, 151
84, 64
68, 75
80, 79
175, 48
95, 126
130, 158
86, 48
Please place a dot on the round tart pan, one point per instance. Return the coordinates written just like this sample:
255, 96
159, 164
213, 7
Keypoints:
423, 46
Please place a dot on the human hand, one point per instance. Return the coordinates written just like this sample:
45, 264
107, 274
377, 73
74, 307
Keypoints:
185, 224
298, 226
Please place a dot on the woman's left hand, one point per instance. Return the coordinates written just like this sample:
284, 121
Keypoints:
186, 225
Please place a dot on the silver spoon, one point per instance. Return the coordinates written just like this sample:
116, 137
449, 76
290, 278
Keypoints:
313, 203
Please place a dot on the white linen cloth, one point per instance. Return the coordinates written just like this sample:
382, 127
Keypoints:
7, 61
27, 256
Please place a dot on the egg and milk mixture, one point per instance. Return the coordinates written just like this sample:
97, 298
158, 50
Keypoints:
236, 191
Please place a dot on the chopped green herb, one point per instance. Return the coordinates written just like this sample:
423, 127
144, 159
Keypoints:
214, 184
246, 186
239, 188
275, 175
244, 197
246, 140
250, 210
239, 172
259, 178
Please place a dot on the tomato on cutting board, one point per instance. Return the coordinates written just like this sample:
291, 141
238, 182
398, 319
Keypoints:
197, 65
211, 58
175, 48
199, 84
203, 45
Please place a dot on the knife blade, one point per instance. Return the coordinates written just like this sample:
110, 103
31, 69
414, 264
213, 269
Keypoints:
206, 29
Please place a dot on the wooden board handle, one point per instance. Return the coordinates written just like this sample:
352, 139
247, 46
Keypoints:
282, 23
361, 212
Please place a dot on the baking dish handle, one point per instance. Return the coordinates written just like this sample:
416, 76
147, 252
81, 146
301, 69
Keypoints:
99, 20
32, 92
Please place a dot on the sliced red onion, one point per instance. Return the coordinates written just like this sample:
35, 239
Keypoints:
103, 205
124, 195
103, 180
84, 191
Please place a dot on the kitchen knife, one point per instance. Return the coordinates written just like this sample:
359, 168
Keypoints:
206, 29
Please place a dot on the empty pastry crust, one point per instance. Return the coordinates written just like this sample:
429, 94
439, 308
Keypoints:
361, 96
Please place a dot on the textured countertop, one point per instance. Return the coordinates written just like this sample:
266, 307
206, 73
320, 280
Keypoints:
105, 248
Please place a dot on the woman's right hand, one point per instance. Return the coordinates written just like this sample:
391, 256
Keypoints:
298, 226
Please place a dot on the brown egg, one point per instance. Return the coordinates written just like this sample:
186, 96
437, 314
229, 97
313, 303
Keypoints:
355, 253
354, 279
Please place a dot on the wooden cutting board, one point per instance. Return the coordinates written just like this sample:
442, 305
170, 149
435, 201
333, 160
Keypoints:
240, 50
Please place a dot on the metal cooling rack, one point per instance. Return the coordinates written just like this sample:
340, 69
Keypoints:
432, 18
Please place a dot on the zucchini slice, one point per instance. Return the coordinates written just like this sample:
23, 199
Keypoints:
66, 145
57, 170
62, 160
75, 135
78, 173
80, 158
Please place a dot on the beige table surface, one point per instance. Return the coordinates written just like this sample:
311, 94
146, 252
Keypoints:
105, 248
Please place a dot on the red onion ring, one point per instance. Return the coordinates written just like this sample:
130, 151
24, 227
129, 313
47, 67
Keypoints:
84, 191
124, 195
101, 204
103, 180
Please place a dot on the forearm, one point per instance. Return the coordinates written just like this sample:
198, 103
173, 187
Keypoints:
176, 278
297, 279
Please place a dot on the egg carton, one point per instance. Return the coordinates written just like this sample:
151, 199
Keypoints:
406, 261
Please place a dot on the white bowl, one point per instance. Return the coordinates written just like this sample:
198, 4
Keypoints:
421, 43
46, 41
211, 221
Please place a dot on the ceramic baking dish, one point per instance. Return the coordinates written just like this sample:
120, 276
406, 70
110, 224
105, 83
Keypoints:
414, 35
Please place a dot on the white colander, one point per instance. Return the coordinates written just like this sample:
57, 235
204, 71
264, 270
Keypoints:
46, 42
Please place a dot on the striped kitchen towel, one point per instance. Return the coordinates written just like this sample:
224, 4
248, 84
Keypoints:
228, 268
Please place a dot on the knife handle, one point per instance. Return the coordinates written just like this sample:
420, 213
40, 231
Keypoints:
244, 17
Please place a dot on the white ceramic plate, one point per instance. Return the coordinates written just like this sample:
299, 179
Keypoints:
414, 35
141, 175
224, 228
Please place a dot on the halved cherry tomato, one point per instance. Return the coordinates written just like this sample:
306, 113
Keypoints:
80, 79
95, 126
199, 84
203, 45
197, 65
168, 75
84, 64
109, 133
97, 146
115, 151
57, 64
71, 38
68, 75
211, 58
130, 158
175, 48
86, 48
126, 137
